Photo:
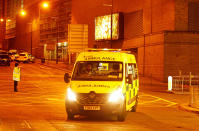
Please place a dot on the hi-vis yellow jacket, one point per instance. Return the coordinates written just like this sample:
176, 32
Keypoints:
16, 74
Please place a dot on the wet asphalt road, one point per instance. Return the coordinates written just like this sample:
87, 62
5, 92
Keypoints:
39, 106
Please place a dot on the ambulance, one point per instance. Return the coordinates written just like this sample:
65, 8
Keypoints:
102, 81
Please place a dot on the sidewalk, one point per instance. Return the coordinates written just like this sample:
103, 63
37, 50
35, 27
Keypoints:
60, 65
146, 84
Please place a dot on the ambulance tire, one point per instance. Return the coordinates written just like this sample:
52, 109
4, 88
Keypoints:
122, 114
135, 106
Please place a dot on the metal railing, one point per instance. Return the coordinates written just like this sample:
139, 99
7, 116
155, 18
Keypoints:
187, 84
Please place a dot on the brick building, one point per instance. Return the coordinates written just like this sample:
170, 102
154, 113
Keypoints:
2, 23
8, 13
40, 30
162, 33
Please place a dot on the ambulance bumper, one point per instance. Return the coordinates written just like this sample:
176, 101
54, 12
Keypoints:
76, 108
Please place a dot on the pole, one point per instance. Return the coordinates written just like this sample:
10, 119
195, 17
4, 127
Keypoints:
151, 18
31, 41
57, 41
111, 21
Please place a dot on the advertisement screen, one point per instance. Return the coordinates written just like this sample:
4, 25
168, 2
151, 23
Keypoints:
103, 27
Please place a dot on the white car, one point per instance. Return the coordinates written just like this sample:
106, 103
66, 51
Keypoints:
25, 57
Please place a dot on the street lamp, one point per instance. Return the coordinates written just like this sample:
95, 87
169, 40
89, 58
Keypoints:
45, 4
22, 12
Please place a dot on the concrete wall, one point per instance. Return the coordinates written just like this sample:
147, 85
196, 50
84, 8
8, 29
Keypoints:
181, 15
181, 49
158, 15
150, 54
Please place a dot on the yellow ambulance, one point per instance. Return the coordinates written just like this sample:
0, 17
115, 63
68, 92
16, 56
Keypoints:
102, 81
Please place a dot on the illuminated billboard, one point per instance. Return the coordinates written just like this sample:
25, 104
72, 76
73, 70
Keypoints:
103, 27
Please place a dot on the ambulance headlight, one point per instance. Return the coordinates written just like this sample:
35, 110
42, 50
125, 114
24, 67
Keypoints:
116, 96
71, 96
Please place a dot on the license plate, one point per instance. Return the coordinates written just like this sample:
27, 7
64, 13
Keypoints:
92, 108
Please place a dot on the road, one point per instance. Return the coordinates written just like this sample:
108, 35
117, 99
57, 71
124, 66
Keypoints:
39, 106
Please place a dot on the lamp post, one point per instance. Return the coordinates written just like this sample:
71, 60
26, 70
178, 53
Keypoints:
30, 39
43, 5
111, 20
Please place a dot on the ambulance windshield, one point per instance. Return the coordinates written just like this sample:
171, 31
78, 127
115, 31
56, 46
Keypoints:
98, 71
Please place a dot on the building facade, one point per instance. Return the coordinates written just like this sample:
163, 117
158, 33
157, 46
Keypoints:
37, 32
2, 23
162, 33
9, 10
42, 29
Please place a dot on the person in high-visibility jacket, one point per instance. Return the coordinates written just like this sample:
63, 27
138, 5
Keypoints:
16, 76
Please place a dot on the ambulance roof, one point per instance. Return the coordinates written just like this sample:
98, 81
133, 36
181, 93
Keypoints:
106, 55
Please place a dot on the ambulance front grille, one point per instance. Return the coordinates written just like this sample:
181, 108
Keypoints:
85, 99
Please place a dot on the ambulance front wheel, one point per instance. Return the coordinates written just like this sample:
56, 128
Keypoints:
122, 114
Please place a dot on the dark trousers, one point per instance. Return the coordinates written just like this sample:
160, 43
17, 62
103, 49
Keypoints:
15, 86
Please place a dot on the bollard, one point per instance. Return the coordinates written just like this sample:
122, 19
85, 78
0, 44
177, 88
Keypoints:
170, 83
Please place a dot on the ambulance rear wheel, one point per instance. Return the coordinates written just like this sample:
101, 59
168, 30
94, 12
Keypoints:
122, 114
135, 106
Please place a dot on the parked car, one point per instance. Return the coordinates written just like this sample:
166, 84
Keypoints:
25, 57
13, 54
3, 52
4, 59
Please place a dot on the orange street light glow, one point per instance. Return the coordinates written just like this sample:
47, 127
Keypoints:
23, 13
8, 20
2, 20
45, 5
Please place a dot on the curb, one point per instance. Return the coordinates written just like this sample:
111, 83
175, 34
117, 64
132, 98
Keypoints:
186, 107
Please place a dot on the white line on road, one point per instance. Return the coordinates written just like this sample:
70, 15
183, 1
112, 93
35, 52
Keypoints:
54, 99
27, 124
171, 103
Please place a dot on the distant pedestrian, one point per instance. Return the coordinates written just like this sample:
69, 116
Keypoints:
16, 76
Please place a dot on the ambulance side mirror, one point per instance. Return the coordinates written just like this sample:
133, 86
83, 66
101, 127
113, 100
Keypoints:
67, 78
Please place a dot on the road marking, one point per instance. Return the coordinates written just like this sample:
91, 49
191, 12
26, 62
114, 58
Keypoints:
158, 99
54, 99
27, 124
149, 101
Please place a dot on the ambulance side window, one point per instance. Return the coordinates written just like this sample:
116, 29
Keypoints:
129, 73
135, 71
